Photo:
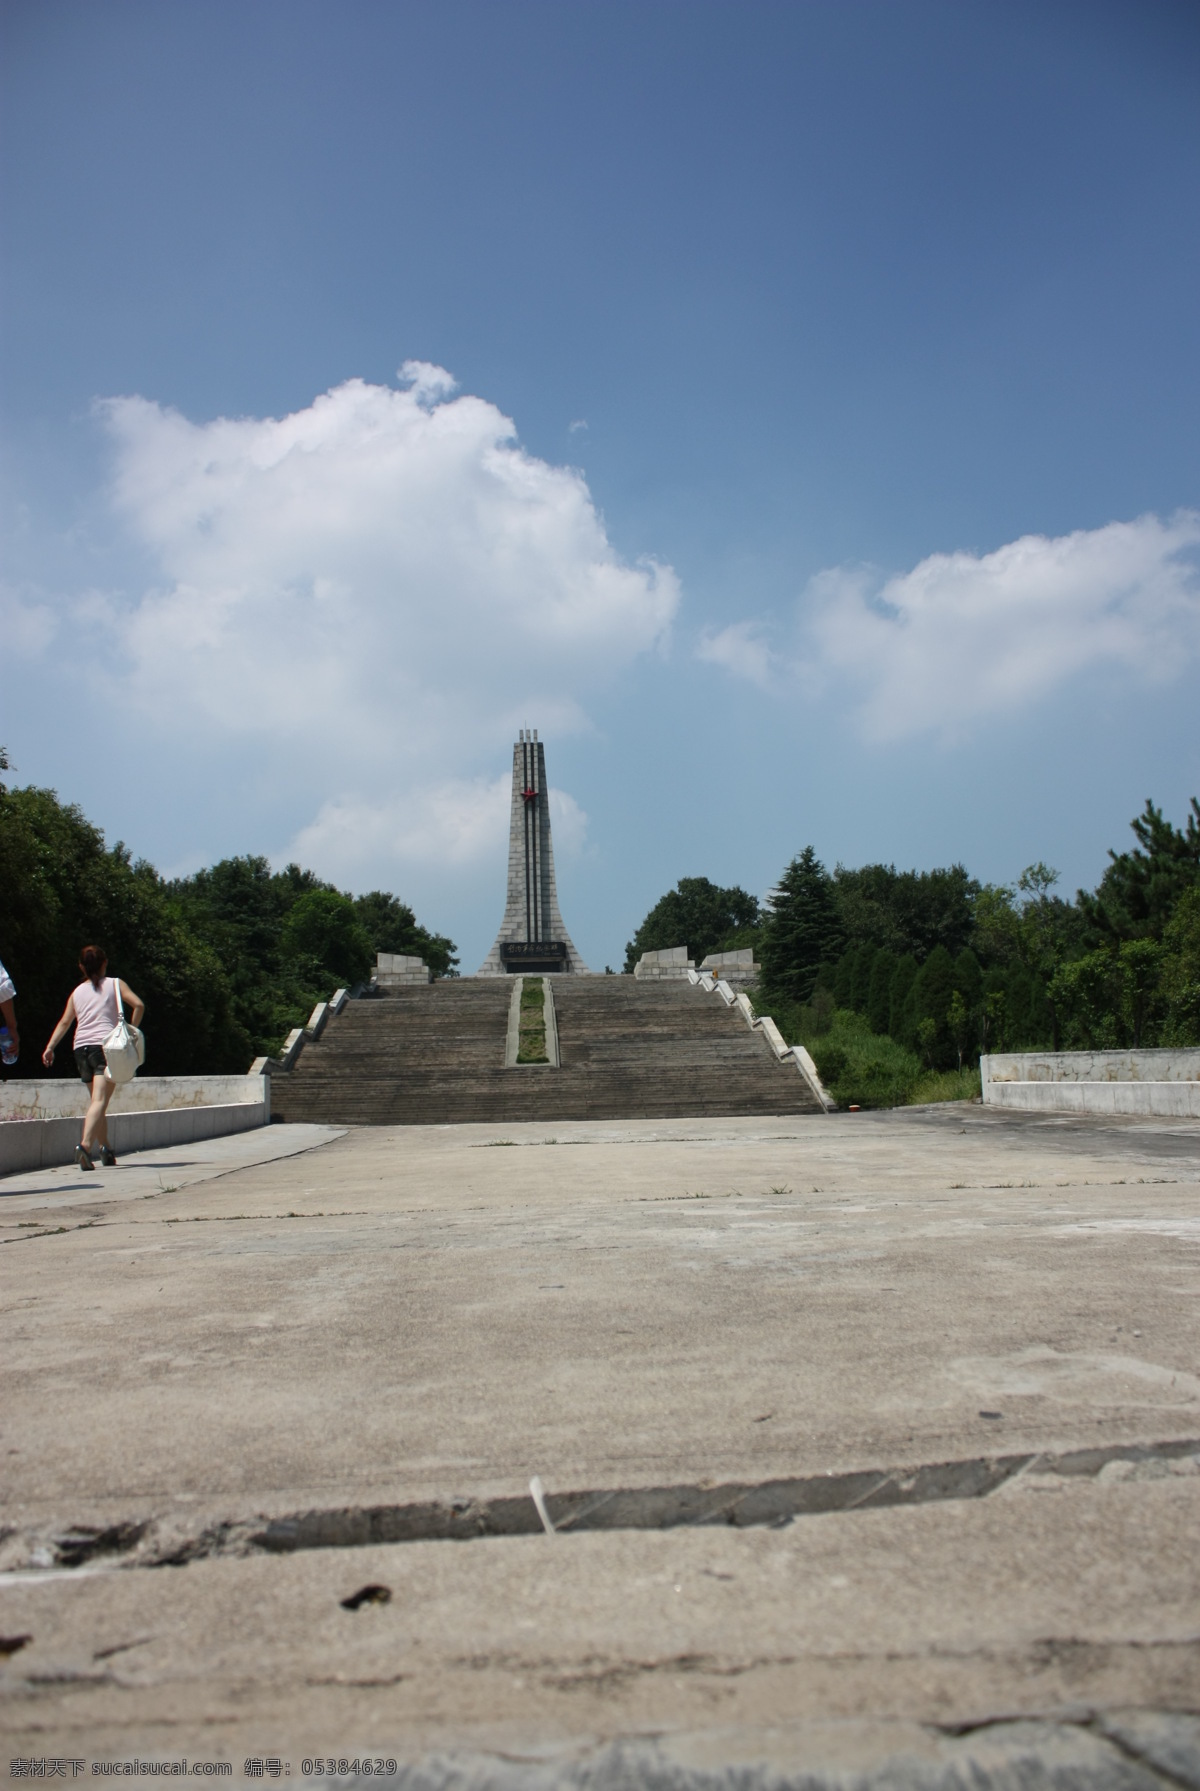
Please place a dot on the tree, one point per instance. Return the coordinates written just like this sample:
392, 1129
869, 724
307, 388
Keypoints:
843, 978
879, 992
861, 960
960, 1025
907, 911
696, 913
1140, 889
929, 1005
995, 935
65, 889
1179, 979
1140, 964
1086, 994
1049, 933
903, 978
391, 926
968, 978
323, 925
801, 929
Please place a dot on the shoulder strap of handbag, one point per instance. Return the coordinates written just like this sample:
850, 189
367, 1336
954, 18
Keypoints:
120, 1003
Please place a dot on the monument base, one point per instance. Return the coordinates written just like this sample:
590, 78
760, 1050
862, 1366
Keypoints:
534, 957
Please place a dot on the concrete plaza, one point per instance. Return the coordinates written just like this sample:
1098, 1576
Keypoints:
978, 1328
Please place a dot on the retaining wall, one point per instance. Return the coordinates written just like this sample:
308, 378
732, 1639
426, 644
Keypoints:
1092, 1066
672, 964
48, 1143
1160, 1100
1158, 1084
65, 1097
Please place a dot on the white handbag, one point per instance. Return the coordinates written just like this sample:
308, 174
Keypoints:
124, 1048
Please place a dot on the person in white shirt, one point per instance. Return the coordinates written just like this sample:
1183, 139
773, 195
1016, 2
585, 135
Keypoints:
8, 996
92, 1010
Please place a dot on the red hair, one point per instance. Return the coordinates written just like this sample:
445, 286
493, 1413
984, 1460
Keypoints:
93, 961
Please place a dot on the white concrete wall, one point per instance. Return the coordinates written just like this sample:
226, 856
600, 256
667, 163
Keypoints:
27, 1144
736, 967
1164, 1084
673, 963
1092, 1066
65, 1097
393, 970
765, 1024
1160, 1100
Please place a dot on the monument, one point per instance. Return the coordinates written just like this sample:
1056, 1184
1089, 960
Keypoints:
532, 937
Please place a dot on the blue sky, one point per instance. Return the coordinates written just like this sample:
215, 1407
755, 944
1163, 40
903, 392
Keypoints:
821, 464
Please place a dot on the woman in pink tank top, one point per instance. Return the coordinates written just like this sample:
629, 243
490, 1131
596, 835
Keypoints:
92, 1010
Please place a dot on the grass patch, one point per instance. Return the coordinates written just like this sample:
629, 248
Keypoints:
948, 1085
531, 1037
862, 1068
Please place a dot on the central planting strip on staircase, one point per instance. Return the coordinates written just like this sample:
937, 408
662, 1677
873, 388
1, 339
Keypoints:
531, 1041
771, 1502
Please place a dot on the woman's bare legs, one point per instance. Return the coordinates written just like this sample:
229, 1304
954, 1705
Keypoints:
95, 1125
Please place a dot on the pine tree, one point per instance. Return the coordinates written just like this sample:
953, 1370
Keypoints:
802, 929
879, 1003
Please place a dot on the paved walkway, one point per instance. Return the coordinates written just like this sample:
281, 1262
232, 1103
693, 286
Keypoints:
953, 1352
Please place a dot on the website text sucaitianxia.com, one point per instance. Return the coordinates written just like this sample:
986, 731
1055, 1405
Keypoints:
266, 1766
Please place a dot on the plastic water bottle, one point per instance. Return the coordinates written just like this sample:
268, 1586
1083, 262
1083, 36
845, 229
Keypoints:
8, 1049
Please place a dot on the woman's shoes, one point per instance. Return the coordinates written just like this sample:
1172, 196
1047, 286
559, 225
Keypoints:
107, 1158
83, 1158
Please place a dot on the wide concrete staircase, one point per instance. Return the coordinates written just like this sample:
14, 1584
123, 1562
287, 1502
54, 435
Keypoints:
434, 1055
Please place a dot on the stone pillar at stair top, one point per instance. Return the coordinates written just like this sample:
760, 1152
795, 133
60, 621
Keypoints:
673, 963
532, 936
395, 971
737, 968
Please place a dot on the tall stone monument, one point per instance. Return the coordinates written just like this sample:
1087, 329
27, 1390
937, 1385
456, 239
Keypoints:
532, 936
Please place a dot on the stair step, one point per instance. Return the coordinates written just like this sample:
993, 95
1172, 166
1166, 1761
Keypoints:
434, 1054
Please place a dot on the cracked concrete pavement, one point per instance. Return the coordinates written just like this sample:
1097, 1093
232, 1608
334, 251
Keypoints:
212, 1340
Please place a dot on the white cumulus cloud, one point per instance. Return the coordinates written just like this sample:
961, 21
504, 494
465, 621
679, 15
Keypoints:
386, 572
964, 638
27, 626
741, 649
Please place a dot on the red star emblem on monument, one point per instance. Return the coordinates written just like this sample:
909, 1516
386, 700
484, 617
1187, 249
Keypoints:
528, 794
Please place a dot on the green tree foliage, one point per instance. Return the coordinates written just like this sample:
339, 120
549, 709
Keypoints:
971, 967
879, 992
227, 961
861, 962
391, 926
968, 978
903, 978
323, 926
929, 1008
801, 930
1111, 998
63, 890
698, 914
288, 939
1139, 891
907, 911
1179, 983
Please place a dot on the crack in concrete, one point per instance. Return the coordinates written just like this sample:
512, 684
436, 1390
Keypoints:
1115, 1738
771, 1503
